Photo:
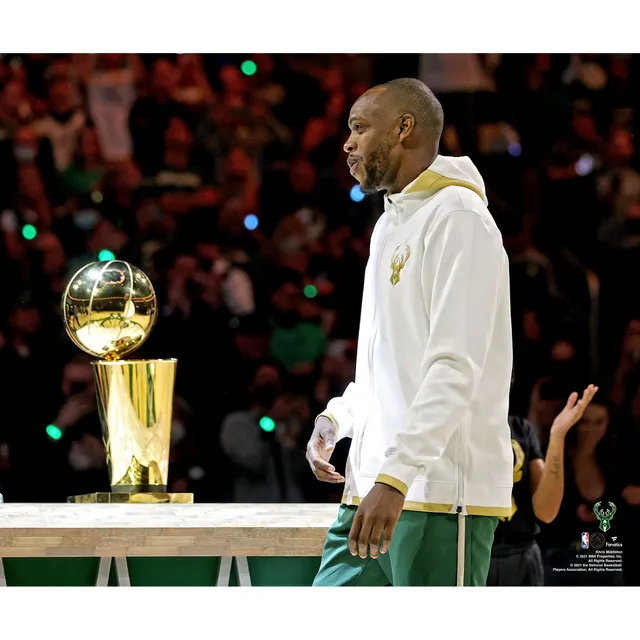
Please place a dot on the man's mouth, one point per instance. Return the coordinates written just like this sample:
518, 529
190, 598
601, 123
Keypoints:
353, 163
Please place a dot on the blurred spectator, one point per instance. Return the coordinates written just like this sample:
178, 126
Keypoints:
241, 179
619, 184
188, 468
182, 187
85, 470
265, 443
33, 205
338, 370
25, 153
193, 90
47, 278
461, 81
237, 286
88, 167
29, 354
111, 80
63, 123
234, 89
322, 135
296, 341
15, 110
151, 114
628, 363
547, 399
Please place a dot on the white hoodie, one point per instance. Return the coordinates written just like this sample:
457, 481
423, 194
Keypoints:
428, 409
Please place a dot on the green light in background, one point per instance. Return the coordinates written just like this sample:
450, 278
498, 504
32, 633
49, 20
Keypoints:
54, 432
267, 424
105, 255
97, 197
310, 291
248, 67
29, 232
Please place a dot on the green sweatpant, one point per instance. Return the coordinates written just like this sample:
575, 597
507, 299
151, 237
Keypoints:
423, 553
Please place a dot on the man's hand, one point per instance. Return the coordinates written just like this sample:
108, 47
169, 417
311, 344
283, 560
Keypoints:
572, 411
375, 520
319, 450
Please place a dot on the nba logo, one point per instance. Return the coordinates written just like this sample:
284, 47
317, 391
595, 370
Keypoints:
585, 540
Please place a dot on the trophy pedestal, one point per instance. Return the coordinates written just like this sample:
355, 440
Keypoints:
132, 498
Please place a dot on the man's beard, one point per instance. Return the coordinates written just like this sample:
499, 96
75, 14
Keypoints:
375, 169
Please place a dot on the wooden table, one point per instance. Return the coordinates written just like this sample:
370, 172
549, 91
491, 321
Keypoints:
130, 544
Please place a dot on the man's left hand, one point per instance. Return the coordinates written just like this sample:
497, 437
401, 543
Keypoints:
375, 520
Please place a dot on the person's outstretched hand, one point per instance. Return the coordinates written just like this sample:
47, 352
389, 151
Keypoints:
319, 450
375, 521
573, 411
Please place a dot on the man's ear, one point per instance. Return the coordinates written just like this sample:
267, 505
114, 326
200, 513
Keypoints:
406, 126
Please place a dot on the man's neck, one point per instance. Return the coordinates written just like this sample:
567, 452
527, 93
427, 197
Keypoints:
408, 172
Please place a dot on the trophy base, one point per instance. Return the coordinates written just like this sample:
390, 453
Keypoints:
132, 498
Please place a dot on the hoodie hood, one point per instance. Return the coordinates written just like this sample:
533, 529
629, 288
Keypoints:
449, 172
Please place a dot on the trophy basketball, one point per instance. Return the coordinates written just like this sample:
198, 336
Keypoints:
109, 310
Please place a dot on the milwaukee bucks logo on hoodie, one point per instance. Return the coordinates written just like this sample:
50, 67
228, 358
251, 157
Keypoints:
398, 260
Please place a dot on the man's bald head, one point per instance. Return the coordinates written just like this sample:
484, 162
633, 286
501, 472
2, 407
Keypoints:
412, 96
395, 134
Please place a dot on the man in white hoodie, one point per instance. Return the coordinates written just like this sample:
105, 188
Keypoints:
430, 465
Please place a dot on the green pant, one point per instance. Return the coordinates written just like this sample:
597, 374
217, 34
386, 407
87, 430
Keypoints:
423, 553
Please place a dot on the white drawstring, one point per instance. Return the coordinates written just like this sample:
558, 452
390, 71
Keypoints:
461, 544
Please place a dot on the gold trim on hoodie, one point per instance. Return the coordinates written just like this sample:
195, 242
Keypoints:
432, 507
431, 181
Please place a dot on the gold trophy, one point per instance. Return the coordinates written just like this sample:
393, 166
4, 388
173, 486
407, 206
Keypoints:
109, 309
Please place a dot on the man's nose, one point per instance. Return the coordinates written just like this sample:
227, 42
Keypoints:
349, 146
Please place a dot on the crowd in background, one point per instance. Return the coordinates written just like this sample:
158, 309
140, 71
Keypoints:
223, 178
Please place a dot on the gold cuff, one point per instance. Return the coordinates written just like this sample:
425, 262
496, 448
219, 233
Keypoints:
400, 486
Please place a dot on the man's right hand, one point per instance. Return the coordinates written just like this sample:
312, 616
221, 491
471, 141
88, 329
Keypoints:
319, 450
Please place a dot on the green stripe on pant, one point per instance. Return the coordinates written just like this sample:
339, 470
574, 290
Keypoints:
423, 553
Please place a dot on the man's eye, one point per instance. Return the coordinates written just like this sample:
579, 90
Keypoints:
357, 127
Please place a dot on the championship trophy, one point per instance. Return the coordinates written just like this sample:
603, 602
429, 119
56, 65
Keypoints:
109, 310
